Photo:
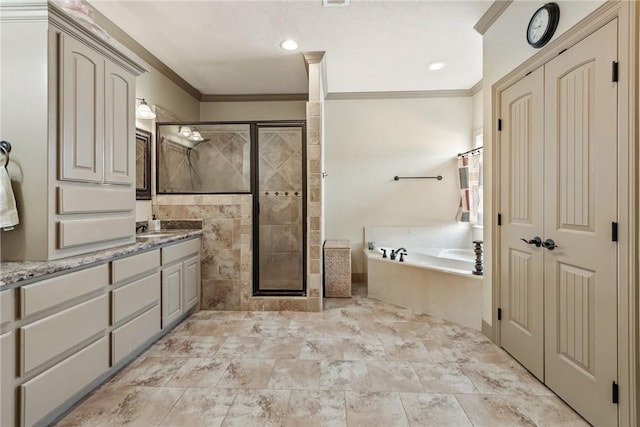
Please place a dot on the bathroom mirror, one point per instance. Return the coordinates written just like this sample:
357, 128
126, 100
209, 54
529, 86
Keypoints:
143, 164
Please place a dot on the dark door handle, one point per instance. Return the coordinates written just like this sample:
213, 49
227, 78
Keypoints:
549, 244
535, 241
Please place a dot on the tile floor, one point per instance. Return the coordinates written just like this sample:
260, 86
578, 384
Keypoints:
361, 362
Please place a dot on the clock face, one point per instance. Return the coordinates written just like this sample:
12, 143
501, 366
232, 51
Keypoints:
543, 24
538, 26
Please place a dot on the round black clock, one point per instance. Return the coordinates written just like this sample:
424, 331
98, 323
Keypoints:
543, 24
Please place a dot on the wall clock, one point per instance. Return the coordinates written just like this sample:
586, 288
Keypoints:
543, 24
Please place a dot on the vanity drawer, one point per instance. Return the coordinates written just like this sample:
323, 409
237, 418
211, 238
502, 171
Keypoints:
51, 336
128, 267
91, 199
135, 296
180, 250
7, 306
51, 292
53, 387
78, 232
134, 333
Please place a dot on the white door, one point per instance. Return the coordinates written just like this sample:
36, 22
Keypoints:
521, 207
580, 196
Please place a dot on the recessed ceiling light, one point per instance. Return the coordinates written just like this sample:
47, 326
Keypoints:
438, 65
289, 45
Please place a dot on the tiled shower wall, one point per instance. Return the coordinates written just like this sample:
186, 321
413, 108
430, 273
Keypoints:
226, 244
227, 240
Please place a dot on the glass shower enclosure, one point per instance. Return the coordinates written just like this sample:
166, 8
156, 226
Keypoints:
265, 159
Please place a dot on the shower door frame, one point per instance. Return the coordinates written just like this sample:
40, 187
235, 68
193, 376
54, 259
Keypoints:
256, 125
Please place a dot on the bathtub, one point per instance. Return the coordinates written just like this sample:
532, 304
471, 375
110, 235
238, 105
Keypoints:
433, 281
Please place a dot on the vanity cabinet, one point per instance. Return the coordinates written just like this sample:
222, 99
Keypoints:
135, 303
73, 144
180, 279
62, 335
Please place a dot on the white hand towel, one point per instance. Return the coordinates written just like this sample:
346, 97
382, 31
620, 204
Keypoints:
8, 211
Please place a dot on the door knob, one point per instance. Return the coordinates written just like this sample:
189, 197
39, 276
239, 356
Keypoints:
535, 241
549, 244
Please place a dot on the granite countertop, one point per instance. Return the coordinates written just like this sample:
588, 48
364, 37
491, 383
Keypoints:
15, 271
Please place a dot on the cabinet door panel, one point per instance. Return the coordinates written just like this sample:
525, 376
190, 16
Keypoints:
191, 285
81, 106
119, 125
171, 294
135, 296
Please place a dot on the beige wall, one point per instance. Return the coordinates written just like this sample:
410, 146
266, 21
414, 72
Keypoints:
257, 110
368, 142
504, 48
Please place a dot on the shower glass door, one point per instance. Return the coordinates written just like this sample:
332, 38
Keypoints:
280, 210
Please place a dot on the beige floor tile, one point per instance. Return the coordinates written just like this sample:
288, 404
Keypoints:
96, 409
363, 349
200, 408
145, 406
280, 348
405, 350
199, 373
247, 373
368, 409
240, 347
149, 371
494, 411
443, 378
317, 409
434, 410
344, 375
359, 362
490, 378
393, 376
198, 346
259, 408
295, 375
322, 349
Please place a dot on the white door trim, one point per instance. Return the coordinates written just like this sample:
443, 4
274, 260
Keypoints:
627, 13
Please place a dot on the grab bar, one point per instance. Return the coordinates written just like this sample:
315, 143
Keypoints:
5, 146
398, 178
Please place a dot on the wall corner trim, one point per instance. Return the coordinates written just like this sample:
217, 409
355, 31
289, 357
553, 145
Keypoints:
491, 15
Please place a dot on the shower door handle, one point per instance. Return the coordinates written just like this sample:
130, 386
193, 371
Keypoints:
535, 241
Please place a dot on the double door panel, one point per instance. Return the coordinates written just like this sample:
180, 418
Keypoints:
559, 181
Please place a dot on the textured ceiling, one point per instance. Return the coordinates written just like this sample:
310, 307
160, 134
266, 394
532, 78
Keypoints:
232, 47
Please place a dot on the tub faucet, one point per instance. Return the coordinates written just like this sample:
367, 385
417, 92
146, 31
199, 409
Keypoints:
397, 252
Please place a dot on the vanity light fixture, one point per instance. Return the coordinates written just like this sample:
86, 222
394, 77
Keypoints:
437, 65
143, 111
195, 136
185, 131
289, 45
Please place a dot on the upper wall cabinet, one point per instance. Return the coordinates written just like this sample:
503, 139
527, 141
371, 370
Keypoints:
72, 130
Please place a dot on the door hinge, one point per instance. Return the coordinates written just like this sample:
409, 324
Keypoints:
614, 392
499, 124
499, 219
499, 313
614, 71
614, 231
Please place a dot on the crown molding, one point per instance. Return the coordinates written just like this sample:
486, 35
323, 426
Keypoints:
401, 94
118, 34
24, 12
491, 15
476, 88
260, 97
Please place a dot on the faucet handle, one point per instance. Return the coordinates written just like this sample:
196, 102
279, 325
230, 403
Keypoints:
384, 252
402, 254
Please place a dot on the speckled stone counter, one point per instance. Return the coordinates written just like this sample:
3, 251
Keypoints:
12, 273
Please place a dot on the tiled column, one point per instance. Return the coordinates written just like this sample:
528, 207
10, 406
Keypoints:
315, 217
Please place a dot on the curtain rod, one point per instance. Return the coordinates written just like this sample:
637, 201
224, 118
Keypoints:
469, 152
